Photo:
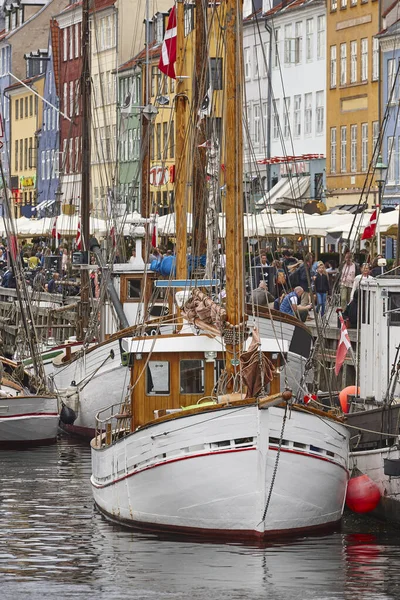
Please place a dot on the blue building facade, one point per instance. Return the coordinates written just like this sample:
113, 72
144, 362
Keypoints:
390, 54
48, 145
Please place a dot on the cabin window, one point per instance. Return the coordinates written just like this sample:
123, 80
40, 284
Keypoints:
394, 309
134, 291
219, 367
157, 378
192, 376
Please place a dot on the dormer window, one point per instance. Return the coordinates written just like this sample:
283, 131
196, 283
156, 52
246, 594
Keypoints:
159, 28
13, 20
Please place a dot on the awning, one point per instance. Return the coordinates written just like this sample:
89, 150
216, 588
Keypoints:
288, 193
43, 205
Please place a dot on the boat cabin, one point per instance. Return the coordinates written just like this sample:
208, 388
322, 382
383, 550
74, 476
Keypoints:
379, 317
173, 372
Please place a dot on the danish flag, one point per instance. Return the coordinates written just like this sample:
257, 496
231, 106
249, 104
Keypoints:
78, 239
370, 229
168, 48
343, 345
54, 232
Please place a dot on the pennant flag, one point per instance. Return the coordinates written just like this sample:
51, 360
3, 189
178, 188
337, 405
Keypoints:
13, 245
370, 229
54, 232
154, 236
205, 106
343, 345
168, 49
113, 238
78, 239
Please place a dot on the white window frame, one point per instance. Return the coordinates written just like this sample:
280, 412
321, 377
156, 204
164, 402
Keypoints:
276, 46
375, 59
247, 63
391, 153
297, 115
276, 103
321, 33
333, 70
287, 56
364, 147
65, 107
256, 51
375, 137
71, 43
353, 61
65, 44
333, 149
257, 124
319, 113
286, 117
353, 148
343, 149
298, 42
308, 114
309, 39
391, 76
343, 63
77, 40
71, 98
364, 59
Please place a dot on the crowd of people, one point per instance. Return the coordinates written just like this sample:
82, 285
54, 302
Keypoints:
301, 288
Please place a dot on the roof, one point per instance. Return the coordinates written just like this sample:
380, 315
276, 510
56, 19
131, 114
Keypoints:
28, 81
55, 44
154, 52
290, 5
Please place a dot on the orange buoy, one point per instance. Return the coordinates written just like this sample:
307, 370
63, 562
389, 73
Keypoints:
350, 390
363, 494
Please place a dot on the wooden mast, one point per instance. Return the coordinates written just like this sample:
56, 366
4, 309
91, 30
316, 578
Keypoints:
199, 154
234, 174
180, 127
85, 192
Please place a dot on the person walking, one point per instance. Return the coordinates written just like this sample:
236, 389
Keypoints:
321, 283
346, 281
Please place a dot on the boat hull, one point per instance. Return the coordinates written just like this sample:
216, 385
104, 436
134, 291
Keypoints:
212, 473
28, 421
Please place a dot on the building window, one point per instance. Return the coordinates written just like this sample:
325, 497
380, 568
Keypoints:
189, 18
71, 98
265, 59
276, 46
21, 108
308, 114
288, 44
333, 4
286, 117
26, 154
321, 37
65, 103
391, 80
297, 116
247, 63
319, 112
65, 44
364, 59
43, 163
160, 28
298, 42
364, 146
216, 73
333, 149
257, 124
26, 107
16, 155
353, 148
276, 120
390, 160
343, 3
256, 53
333, 66
375, 59
375, 137
353, 62
343, 64
172, 140
343, 149
106, 35
158, 138
17, 109
309, 38
77, 39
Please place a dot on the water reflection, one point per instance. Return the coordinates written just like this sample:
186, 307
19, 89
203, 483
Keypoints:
53, 543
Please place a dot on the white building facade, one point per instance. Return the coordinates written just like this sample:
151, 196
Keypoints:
285, 83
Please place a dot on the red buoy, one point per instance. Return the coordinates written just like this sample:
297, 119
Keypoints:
350, 390
363, 494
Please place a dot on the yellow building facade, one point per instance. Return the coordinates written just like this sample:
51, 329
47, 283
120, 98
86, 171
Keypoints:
353, 90
26, 119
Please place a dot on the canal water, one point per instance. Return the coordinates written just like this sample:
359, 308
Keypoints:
55, 545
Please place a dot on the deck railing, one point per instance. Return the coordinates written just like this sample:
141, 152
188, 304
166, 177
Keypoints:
112, 423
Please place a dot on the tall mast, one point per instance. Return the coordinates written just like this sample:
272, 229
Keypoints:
180, 127
146, 126
85, 193
199, 154
234, 171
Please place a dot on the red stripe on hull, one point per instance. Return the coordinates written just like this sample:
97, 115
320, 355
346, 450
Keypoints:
84, 432
216, 535
23, 415
323, 458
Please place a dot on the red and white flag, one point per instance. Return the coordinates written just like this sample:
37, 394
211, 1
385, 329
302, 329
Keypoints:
370, 229
113, 236
78, 239
343, 345
168, 48
54, 232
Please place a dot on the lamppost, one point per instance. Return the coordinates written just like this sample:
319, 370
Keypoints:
380, 169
